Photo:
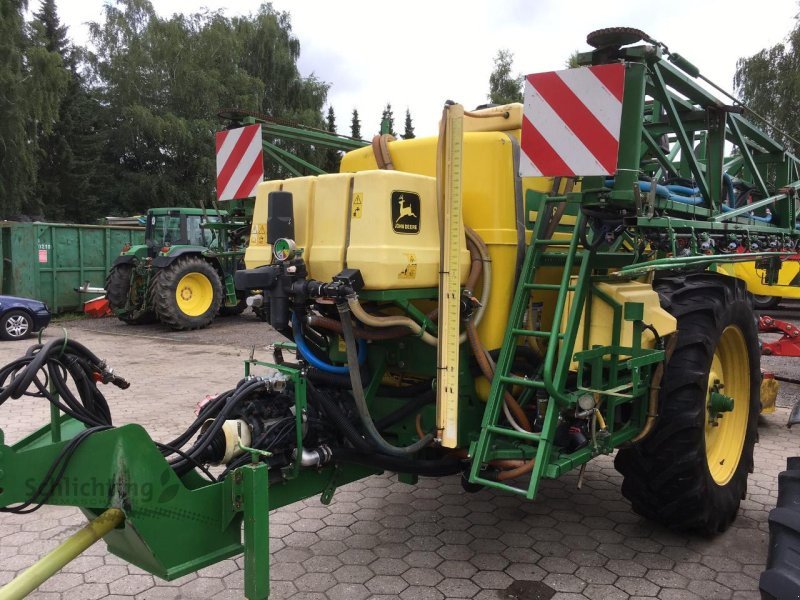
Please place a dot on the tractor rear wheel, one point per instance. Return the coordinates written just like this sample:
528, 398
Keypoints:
187, 294
122, 300
690, 472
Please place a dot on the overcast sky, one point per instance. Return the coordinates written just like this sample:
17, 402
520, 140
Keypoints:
416, 54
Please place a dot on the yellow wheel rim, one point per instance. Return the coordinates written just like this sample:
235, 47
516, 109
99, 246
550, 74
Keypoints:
726, 431
194, 294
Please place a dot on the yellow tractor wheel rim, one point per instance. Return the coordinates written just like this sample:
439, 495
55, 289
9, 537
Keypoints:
730, 375
194, 294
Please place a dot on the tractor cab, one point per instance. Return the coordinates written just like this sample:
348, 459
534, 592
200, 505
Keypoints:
168, 227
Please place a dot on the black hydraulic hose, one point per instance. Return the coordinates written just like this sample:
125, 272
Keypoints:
358, 393
54, 474
55, 361
339, 419
405, 391
406, 410
342, 381
205, 438
428, 468
208, 411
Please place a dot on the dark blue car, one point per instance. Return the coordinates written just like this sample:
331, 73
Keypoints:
19, 317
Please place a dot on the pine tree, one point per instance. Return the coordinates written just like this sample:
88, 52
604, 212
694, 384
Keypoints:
66, 184
408, 134
332, 157
387, 121
32, 83
355, 126
53, 32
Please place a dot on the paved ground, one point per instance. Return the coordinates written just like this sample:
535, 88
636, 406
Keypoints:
382, 539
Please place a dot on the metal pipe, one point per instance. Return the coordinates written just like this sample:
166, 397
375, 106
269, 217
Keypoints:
55, 560
655, 391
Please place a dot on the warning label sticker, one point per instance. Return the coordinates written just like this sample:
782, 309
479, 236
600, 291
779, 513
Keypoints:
358, 205
260, 232
42, 255
410, 272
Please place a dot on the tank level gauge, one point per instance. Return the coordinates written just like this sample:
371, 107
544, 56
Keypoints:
284, 249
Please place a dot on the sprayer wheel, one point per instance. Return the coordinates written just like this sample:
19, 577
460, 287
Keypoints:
690, 472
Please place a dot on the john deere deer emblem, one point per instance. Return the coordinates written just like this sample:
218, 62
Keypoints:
405, 212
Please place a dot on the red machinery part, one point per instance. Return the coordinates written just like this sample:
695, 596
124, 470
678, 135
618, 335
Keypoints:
97, 308
787, 345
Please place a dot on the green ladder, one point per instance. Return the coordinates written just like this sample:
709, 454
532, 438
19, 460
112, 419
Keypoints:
555, 367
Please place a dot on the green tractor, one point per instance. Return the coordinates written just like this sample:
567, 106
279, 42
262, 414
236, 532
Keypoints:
183, 274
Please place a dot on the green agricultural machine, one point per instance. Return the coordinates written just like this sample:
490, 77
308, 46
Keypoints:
182, 275
497, 303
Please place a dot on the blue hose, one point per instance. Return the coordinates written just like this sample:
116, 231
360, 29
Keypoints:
666, 192
728, 181
767, 219
315, 361
683, 190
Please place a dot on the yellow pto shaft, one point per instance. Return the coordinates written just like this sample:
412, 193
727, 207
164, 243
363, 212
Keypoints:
55, 560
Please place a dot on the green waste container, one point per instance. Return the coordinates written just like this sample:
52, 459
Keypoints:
47, 261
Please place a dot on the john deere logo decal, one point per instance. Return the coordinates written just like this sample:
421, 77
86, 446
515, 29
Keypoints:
405, 212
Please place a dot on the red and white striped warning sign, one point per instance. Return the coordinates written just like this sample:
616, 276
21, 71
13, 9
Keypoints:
571, 121
240, 162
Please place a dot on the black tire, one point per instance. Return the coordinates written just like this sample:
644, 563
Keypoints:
262, 312
765, 302
781, 579
16, 325
667, 476
165, 287
118, 290
232, 311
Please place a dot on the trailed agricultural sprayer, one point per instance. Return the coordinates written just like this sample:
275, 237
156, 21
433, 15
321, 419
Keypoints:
530, 289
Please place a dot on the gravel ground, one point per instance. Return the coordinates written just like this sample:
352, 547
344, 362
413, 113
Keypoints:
382, 539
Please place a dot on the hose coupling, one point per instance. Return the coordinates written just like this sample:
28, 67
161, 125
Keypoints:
315, 457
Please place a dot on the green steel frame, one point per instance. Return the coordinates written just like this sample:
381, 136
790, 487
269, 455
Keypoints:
660, 99
173, 525
275, 131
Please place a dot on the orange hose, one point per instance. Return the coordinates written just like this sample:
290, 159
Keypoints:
418, 425
488, 372
515, 467
380, 148
389, 333
513, 473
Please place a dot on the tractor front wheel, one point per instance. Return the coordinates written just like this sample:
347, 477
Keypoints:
187, 294
690, 472
125, 301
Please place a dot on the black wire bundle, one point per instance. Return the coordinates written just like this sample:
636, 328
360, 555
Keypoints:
52, 363
219, 409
